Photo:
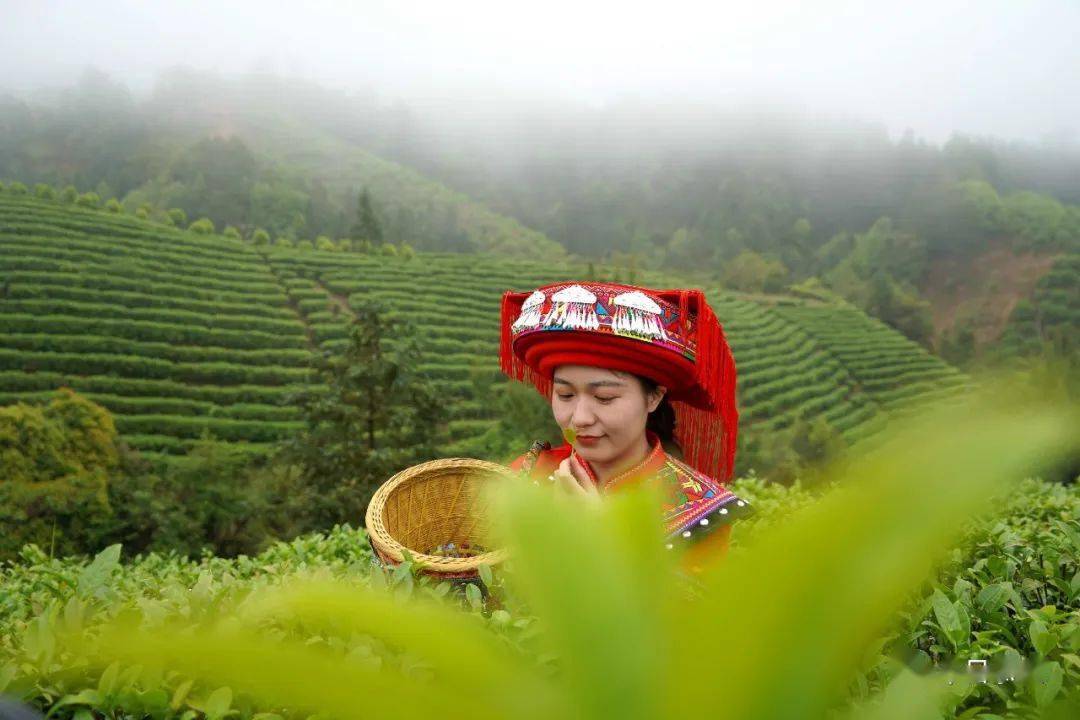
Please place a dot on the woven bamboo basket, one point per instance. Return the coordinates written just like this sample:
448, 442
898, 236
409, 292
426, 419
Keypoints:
435, 510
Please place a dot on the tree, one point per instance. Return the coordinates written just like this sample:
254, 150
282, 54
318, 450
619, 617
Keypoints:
372, 415
178, 217
90, 200
69, 194
55, 463
751, 272
260, 237
45, 192
202, 226
114, 206
231, 232
367, 226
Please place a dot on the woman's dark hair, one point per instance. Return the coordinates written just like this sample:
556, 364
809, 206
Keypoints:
661, 420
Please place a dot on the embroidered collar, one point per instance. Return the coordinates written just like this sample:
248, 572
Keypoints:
646, 468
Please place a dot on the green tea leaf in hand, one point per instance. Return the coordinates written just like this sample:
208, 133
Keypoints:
570, 435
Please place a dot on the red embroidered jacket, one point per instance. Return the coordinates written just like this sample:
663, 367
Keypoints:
698, 510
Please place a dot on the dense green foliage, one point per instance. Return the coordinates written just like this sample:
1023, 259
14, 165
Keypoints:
55, 465
1008, 593
374, 415
70, 484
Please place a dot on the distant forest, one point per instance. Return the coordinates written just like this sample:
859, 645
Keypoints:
760, 202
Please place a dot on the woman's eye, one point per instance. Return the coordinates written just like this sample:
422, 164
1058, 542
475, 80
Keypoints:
604, 400
564, 397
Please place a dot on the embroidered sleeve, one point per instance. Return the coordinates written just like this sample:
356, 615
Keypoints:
698, 505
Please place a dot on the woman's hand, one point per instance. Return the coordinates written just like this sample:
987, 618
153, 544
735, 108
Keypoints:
572, 479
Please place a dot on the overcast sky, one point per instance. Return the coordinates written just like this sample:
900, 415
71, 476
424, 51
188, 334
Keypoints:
992, 67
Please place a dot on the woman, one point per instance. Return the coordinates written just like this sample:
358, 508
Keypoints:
643, 384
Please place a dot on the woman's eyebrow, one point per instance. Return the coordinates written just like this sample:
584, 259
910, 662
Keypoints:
593, 384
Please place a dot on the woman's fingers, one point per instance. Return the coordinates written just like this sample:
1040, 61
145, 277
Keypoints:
564, 478
568, 480
583, 477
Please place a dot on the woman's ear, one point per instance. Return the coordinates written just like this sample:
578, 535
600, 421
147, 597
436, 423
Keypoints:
655, 397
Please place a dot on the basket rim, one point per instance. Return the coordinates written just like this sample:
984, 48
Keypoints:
387, 545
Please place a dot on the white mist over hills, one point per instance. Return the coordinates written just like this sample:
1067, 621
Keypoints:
1006, 69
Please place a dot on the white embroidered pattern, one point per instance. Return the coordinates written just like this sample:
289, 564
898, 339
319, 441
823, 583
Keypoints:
530, 312
572, 308
637, 315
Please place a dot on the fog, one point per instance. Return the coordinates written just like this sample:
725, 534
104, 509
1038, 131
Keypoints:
992, 68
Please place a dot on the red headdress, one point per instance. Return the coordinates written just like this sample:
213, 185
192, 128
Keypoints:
669, 336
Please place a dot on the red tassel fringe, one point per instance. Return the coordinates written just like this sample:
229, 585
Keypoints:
707, 428
510, 364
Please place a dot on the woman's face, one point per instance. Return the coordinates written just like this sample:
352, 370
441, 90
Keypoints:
606, 408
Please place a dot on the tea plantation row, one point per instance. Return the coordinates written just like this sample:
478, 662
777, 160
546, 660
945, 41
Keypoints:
179, 334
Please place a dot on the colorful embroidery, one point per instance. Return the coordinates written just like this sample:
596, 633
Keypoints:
699, 502
695, 504
632, 314
572, 308
637, 315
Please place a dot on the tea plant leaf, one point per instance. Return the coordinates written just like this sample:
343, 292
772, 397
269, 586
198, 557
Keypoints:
107, 683
93, 577
1041, 638
180, 694
485, 574
218, 704
993, 597
948, 617
472, 594
596, 577
1046, 682
462, 651
798, 606
292, 675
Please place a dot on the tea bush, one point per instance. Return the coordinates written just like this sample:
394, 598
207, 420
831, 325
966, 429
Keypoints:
1008, 591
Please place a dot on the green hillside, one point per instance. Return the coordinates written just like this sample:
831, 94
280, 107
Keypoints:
180, 334
433, 214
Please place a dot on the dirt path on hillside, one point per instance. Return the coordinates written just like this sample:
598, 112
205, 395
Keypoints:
985, 289
341, 300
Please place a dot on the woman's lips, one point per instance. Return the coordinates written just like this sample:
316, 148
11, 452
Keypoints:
588, 440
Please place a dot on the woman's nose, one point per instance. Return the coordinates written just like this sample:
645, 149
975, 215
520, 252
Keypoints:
583, 415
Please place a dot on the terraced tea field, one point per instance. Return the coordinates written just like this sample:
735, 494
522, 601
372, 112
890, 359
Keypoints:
180, 334
177, 334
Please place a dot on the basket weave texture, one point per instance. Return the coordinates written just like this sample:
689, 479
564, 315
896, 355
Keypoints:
430, 505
